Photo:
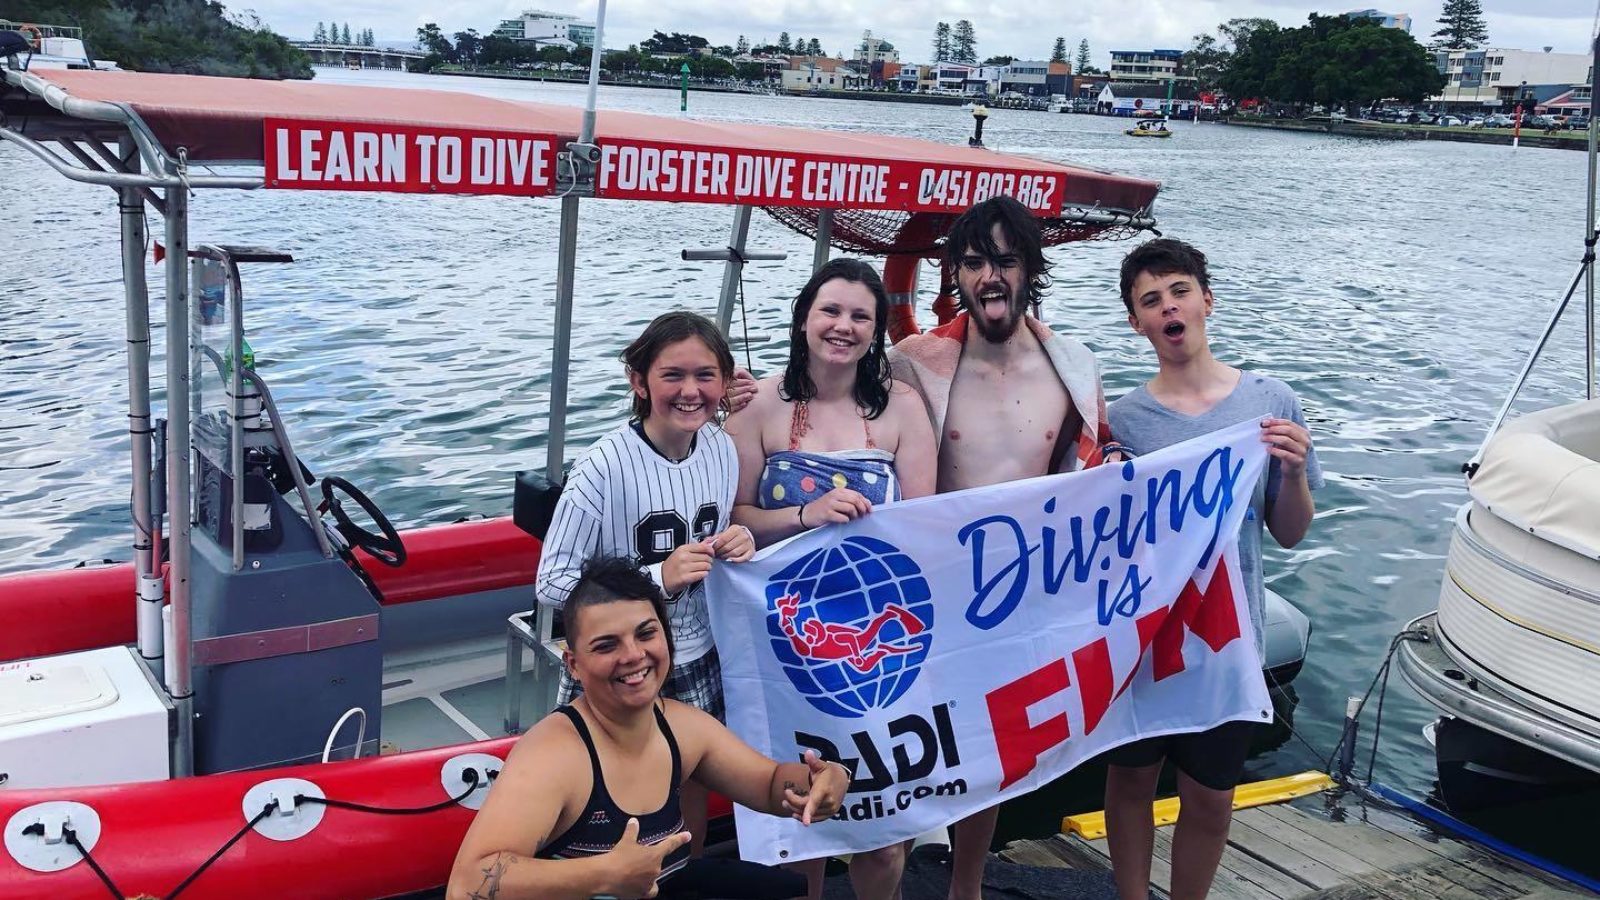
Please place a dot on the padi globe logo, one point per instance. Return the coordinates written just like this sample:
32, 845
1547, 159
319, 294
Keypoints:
851, 625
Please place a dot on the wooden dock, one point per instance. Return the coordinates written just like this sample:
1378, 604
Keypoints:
1330, 851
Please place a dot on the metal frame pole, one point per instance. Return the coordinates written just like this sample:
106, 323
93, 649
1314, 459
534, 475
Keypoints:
819, 252
566, 264
566, 261
179, 507
733, 269
149, 592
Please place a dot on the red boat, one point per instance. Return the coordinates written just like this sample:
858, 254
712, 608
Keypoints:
166, 724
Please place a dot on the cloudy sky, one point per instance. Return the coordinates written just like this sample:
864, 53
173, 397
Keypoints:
1002, 28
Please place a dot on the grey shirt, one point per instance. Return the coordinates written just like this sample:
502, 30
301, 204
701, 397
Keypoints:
1143, 425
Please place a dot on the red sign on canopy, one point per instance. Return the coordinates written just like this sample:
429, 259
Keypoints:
651, 170
341, 156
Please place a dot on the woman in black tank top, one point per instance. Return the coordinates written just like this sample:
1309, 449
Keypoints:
600, 823
543, 833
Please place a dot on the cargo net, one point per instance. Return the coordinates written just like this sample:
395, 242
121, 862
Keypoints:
881, 232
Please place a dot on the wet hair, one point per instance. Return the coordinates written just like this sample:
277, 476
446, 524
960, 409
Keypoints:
1162, 256
973, 232
668, 329
612, 579
872, 371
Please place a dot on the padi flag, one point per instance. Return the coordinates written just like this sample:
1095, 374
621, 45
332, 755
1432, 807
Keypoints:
960, 649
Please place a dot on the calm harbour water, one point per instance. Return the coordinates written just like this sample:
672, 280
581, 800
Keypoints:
1397, 286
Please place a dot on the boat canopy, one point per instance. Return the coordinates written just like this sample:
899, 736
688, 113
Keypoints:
887, 194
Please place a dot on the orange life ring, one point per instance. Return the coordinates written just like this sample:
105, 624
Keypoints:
900, 281
38, 35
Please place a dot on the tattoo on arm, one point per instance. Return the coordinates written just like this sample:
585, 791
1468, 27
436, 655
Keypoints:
490, 886
792, 786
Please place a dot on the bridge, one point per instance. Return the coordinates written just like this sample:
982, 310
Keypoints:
357, 56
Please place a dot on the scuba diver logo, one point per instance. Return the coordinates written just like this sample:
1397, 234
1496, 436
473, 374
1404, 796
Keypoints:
851, 624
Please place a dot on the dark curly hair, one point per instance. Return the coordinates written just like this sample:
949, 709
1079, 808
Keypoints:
872, 372
665, 330
609, 579
1162, 256
973, 233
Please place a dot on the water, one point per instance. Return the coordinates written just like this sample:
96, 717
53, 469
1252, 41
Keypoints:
1397, 286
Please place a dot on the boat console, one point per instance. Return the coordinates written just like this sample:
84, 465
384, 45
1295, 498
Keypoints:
285, 625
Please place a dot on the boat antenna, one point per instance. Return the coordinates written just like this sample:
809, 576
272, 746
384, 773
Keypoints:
1589, 233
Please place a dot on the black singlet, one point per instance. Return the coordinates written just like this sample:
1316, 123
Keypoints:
599, 827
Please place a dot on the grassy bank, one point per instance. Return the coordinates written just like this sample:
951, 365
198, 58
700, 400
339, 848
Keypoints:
1571, 140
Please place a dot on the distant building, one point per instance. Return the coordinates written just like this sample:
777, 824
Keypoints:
914, 77
1488, 79
872, 50
548, 29
1401, 21
1146, 65
1127, 98
819, 73
958, 78
1036, 78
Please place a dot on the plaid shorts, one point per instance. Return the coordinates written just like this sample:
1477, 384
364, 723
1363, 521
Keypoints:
697, 683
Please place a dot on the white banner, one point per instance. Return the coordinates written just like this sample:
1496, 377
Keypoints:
962, 649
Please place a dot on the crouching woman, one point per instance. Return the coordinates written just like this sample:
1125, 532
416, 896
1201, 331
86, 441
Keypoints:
587, 803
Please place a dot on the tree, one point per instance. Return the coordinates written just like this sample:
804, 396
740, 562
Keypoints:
941, 42
1251, 68
1082, 66
1362, 64
752, 71
320, 36
964, 43
1337, 60
999, 60
783, 42
344, 37
468, 47
432, 40
676, 43
1463, 23
1059, 52
1206, 61
742, 47
184, 36
814, 48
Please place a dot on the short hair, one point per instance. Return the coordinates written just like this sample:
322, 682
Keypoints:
1162, 256
974, 231
872, 371
611, 579
668, 329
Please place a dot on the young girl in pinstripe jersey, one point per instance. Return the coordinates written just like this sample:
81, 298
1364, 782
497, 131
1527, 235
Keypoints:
660, 488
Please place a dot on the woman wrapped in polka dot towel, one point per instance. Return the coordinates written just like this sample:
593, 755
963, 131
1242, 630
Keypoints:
826, 441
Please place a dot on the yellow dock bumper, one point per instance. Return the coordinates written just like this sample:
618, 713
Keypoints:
1092, 826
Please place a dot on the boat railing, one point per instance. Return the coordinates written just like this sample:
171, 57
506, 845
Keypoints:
1585, 275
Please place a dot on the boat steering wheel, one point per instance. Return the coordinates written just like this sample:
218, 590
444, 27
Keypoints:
385, 547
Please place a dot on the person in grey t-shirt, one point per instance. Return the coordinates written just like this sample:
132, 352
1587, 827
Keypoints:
1167, 292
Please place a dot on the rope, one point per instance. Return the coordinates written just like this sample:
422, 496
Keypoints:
183, 885
1381, 675
470, 776
71, 837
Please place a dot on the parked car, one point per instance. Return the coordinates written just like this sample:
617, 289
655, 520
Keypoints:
1449, 122
1543, 122
1499, 120
1578, 121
